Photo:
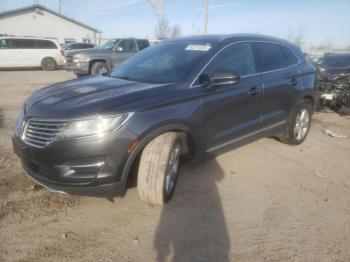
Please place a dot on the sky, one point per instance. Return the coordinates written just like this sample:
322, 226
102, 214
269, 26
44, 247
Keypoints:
320, 21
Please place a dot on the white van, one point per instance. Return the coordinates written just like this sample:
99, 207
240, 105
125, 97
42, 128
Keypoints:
30, 52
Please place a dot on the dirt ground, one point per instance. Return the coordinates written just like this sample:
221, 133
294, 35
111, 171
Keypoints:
265, 201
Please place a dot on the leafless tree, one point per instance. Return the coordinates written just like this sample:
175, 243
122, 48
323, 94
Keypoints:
296, 37
176, 31
162, 30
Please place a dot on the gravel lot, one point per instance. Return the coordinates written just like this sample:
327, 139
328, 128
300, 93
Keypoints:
265, 201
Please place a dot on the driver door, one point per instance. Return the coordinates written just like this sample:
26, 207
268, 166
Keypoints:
123, 50
231, 112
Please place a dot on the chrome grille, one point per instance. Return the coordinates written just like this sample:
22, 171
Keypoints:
39, 133
69, 59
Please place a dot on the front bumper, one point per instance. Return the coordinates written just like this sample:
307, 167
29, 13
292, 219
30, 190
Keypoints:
81, 68
85, 166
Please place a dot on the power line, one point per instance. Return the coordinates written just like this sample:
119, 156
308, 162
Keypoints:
78, 7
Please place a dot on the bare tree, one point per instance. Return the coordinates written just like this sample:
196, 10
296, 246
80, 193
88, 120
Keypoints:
176, 31
296, 37
162, 30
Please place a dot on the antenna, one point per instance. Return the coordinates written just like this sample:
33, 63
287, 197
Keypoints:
206, 17
60, 6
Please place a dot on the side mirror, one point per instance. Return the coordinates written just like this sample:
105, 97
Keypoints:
219, 79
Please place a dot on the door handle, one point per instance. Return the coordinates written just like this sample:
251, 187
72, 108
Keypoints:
253, 91
294, 81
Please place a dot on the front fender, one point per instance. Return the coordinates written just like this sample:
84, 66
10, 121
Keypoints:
151, 134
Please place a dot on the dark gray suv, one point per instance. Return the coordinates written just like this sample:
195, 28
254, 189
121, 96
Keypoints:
183, 97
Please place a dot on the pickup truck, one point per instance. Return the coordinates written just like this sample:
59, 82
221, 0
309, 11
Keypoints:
102, 60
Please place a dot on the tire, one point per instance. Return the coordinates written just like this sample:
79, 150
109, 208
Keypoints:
99, 68
298, 124
48, 64
158, 168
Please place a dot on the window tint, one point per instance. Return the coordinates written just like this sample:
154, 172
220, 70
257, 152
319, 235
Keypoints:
336, 61
271, 57
23, 43
4, 43
45, 44
238, 58
128, 45
88, 46
291, 58
142, 44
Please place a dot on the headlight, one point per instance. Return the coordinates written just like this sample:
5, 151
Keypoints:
20, 120
78, 58
94, 126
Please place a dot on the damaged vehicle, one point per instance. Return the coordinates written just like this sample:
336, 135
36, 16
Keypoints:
335, 93
333, 74
176, 100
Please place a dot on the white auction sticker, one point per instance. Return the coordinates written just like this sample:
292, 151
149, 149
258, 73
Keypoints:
203, 48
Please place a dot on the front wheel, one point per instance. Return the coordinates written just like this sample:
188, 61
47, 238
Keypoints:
99, 68
158, 168
298, 124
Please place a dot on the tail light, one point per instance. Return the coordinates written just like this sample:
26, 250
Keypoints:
62, 52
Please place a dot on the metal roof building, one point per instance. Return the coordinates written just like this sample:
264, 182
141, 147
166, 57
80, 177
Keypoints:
40, 21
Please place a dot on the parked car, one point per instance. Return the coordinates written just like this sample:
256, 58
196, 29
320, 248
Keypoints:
333, 65
30, 52
183, 97
102, 60
77, 46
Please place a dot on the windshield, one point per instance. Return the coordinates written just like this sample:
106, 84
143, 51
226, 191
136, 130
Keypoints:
109, 44
163, 63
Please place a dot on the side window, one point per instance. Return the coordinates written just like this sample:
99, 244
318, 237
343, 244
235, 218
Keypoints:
291, 58
271, 57
23, 43
45, 44
127, 45
4, 44
238, 58
142, 44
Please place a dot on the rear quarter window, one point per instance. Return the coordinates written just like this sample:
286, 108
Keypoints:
291, 58
45, 44
270, 57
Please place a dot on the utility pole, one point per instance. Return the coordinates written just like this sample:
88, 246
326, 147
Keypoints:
59, 6
206, 17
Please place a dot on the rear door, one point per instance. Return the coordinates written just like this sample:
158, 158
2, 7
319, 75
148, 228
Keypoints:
281, 81
231, 112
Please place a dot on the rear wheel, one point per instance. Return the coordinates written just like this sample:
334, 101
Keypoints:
158, 168
298, 124
48, 64
99, 68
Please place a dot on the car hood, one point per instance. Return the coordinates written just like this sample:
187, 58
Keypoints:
89, 96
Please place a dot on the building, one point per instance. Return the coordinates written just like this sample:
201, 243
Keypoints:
40, 21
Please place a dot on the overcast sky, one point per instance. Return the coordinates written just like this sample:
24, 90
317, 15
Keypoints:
319, 20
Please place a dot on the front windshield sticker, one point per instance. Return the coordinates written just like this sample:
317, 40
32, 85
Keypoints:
203, 48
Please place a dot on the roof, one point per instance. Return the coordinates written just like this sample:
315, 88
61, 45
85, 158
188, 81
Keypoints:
34, 7
235, 37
